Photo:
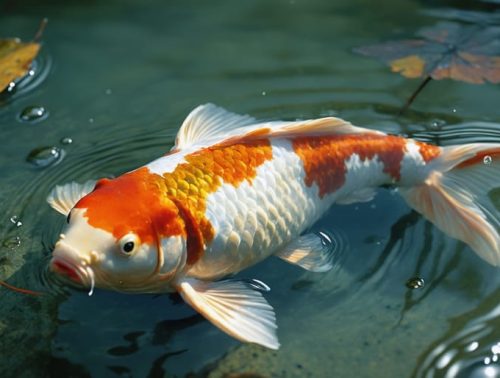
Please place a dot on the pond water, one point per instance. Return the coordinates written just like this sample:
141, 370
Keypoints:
116, 79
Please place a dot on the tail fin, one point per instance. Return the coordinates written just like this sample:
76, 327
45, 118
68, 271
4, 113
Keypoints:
456, 196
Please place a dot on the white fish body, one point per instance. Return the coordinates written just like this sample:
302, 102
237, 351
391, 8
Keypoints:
234, 191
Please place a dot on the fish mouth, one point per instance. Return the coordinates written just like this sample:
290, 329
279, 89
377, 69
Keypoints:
64, 265
66, 269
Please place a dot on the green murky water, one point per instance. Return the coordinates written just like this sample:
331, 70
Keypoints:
117, 78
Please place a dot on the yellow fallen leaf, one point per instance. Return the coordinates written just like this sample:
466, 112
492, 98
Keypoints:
15, 59
410, 66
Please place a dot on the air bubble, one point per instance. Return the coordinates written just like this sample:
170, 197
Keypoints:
487, 160
33, 114
15, 220
45, 156
437, 123
66, 140
415, 283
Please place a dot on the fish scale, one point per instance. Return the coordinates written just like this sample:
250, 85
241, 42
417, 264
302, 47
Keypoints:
291, 205
272, 197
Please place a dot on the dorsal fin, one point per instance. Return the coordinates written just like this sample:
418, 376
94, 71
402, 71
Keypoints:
320, 126
307, 128
311, 127
207, 122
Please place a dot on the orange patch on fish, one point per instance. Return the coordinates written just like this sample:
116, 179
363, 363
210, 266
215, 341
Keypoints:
154, 207
428, 151
324, 157
134, 202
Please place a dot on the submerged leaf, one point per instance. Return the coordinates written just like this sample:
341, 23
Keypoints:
15, 60
445, 51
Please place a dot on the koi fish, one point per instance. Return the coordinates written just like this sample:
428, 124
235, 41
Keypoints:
233, 191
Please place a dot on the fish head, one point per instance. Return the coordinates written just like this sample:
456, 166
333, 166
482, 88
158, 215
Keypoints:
125, 235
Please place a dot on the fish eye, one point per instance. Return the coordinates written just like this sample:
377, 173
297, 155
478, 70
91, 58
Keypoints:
129, 244
128, 247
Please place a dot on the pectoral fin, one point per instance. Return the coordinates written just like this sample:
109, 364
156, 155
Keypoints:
235, 308
64, 197
310, 251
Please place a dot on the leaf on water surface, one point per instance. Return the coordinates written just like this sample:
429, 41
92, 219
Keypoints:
16, 57
447, 50
15, 60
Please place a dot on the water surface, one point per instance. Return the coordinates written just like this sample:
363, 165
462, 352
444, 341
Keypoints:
117, 78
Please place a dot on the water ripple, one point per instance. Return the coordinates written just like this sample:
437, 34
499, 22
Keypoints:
471, 348
467, 132
338, 246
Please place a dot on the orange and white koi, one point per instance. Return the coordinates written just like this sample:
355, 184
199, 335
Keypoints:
234, 191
